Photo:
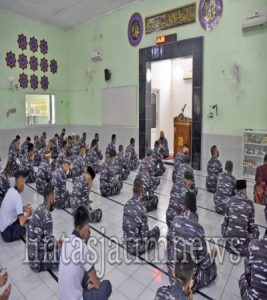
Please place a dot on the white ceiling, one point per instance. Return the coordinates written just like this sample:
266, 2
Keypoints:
63, 13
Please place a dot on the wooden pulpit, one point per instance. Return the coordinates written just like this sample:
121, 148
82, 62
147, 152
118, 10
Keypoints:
182, 133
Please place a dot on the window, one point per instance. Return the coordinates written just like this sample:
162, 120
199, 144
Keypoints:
40, 109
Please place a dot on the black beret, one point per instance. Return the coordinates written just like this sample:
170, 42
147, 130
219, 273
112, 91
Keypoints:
241, 184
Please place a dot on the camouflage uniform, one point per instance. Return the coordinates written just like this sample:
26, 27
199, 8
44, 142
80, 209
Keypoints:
171, 292
59, 180
43, 176
164, 151
225, 190
110, 186
23, 149
80, 196
253, 283
159, 167
42, 250
239, 224
37, 154
78, 167
131, 156
123, 166
42, 142
214, 169
177, 198
4, 186
146, 165
13, 154
100, 156
180, 158
186, 234
109, 148
27, 166
92, 160
61, 140
136, 233
75, 151
178, 174
61, 156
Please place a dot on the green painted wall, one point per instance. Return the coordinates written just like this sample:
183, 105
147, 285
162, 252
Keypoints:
246, 102
10, 27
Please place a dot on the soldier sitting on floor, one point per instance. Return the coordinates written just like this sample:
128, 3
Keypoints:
13, 154
92, 157
24, 147
159, 168
4, 181
225, 188
178, 174
75, 150
253, 283
44, 173
43, 140
183, 274
78, 165
131, 155
62, 154
43, 248
214, 169
180, 158
80, 194
123, 164
137, 236
59, 181
98, 151
178, 192
164, 148
110, 181
238, 226
110, 147
37, 152
187, 235
27, 165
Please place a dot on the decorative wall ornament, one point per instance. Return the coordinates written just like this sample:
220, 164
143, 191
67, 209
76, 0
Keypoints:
33, 63
33, 44
22, 41
11, 59
135, 29
43, 46
23, 61
34, 82
44, 82
53, 66
23, 80
170, 19
210, 13
44, 65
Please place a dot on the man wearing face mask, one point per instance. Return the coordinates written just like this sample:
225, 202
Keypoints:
80, 194
43, 248
110, 181
214, 169
13, 216
44, 173
79, 163
59, 181
136, 233
77, 275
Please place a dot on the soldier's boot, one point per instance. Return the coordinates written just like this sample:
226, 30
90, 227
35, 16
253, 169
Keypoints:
95, 216
156, 182
157, 172
151, 203
162, 170
153, 237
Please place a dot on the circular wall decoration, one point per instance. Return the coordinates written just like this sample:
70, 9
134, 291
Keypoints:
23, 61
34, 63
135, 29
23, 80
53, 66
34, 82
44, 65
210, 13
43, 46
11, 59
44, 83
22, 41
33, 44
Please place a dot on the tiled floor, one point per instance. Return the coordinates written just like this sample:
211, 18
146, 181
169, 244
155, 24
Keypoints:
130, 280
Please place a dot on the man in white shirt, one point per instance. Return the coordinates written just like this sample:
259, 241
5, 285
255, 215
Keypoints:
12, 218
77, 275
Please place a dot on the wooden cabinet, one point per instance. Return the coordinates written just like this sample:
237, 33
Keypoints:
182, 133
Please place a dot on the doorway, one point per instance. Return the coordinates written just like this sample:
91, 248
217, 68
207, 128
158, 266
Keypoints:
171, 90
190, 48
